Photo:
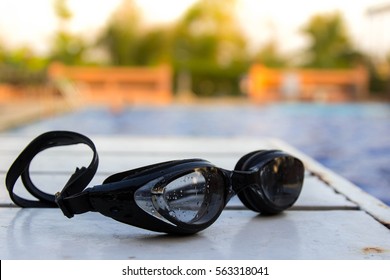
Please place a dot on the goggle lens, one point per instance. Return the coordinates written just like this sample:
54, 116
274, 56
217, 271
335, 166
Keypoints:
193, 198
186, 196
282, 180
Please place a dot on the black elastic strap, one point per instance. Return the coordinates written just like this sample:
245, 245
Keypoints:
76, 184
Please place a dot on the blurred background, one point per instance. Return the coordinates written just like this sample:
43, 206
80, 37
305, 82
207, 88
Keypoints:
315, 74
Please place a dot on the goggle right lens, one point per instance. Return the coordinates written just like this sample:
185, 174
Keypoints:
278, 184
281, 180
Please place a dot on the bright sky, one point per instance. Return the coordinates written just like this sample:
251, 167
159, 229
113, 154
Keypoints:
32, 22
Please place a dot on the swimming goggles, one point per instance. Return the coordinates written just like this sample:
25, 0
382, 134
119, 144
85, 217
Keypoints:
178, 197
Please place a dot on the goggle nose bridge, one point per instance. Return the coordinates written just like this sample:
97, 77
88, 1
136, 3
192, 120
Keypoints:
241, 180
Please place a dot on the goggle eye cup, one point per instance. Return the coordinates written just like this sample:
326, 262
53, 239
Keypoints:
195, 197
281, 181
277, 184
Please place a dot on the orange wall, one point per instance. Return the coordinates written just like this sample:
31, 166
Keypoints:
266, 84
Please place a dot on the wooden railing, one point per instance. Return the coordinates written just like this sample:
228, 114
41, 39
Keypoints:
265, 84
114, 85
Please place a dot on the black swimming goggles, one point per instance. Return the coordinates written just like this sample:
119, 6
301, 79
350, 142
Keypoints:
179, 197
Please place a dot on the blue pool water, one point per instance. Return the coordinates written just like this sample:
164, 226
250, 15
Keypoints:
351, 139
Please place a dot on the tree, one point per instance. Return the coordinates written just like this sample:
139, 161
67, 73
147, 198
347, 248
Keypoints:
268, 55
121, 35
66, 47
380, 76
330, 45
2, 52
209, 31
62, 11
154, 47
208, 44
21, 66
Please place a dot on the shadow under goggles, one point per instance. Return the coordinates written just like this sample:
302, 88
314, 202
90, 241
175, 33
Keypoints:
178, 197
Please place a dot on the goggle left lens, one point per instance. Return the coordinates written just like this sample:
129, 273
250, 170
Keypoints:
193, 198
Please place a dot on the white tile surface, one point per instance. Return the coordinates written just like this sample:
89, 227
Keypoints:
47, 234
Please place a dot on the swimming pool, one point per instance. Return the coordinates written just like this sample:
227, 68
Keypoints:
351, 139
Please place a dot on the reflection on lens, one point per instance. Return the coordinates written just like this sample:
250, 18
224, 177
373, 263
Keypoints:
185, 196
282, 180
193, 198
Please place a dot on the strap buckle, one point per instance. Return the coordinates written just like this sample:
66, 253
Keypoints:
74, 185
61, 204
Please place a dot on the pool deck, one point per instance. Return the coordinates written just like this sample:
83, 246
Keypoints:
333, 219
13, 114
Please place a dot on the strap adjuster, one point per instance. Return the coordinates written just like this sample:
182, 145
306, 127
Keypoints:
61, 204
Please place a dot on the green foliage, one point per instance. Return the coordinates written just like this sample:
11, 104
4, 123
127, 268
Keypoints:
212, 80
330, 45
2, 53
208, 44
269, 56
62, 10
122, 34
21, 66
209, 32
154, 47
128, 43
68, 48
380, 77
